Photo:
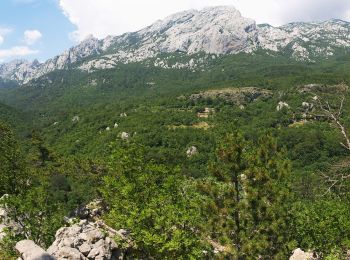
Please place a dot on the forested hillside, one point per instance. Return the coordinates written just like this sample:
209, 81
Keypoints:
246, 157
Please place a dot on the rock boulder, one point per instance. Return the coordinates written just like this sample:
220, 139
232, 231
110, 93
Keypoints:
84, 240
28, 250
299, 254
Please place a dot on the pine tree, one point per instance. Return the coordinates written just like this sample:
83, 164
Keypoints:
230, 166
257, 179
11, 163
266, 199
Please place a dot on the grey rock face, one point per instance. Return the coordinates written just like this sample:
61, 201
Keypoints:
281, 105
192, 151
215, 30
237, 96
28, 250
24, 71
6, 223
299, 254
306, 41
84, 240
212, 30
18, 70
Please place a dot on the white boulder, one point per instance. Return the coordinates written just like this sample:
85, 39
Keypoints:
75, 119
299, 254
84, 240
125, 135
28, 250
192, 151
123, 115
282, 105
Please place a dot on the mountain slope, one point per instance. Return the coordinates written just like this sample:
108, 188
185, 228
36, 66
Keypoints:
216, 30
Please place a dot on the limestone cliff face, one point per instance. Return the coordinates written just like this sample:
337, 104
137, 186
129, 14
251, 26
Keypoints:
215, 30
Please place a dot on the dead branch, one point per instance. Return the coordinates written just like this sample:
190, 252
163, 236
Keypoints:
335, 116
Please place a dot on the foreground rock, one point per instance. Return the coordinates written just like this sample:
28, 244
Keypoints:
299, 254
85, 240
28, 250
6, 223
82, 241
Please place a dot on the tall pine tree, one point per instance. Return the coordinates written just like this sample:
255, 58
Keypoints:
12, 173
257, 216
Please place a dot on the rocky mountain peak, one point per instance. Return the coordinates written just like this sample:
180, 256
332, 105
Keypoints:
212, 30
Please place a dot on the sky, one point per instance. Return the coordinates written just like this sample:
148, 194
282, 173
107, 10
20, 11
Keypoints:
41, 29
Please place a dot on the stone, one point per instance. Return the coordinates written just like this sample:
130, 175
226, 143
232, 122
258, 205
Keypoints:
83, 236
67, 242
125, 135
69, 253
85, 249
6, 223
123, 115
2, 231
281, 105
85, 240
192, 151
94, 235
93, 253
75, 119
299, 254
307, 106
28, 250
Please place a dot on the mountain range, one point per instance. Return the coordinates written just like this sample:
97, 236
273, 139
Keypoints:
216, 31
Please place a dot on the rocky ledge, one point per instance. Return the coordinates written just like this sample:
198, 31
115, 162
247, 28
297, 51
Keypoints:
81, 241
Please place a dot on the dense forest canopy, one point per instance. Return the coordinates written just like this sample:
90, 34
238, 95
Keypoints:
241, 160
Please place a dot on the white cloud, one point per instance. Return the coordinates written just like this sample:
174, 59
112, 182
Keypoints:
17, 51
3, 32
105, 17
32, 36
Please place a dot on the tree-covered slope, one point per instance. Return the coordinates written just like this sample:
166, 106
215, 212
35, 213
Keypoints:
141, 136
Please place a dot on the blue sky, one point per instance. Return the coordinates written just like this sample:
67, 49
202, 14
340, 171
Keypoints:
42, 29
45, 16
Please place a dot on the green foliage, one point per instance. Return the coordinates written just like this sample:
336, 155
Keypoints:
173, 205
37, 215
257, 201
155, 203
322, 225
267, 201
12, 174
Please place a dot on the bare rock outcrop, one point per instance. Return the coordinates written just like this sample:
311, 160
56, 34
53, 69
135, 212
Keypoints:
28, 250
84, 240
192, 151
236, 96
299, 254
6, 223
